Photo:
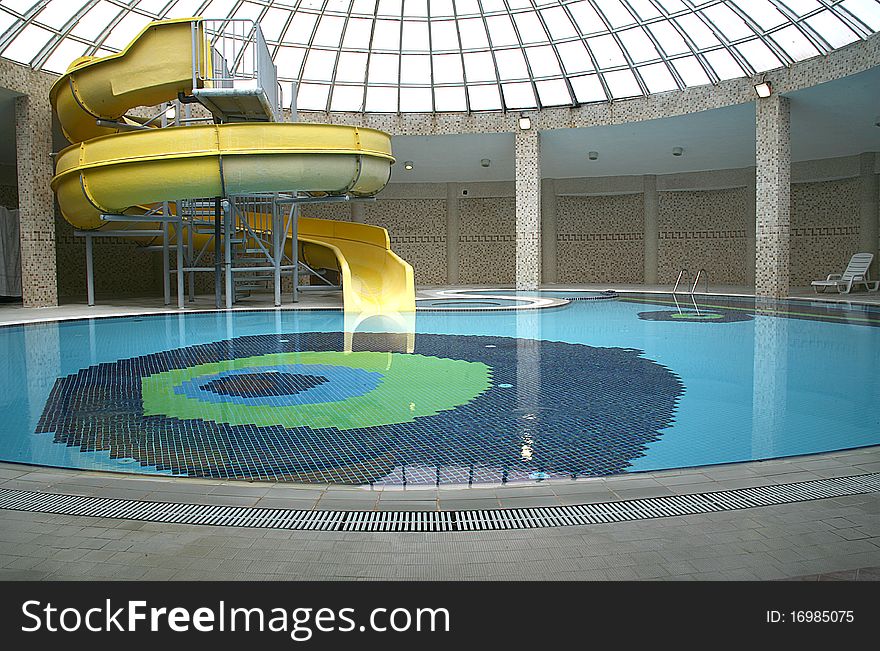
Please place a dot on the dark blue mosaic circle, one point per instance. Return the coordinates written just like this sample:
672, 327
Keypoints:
263, 385
691, 316
553, 410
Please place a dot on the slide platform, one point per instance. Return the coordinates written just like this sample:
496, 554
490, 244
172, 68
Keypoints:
117, 171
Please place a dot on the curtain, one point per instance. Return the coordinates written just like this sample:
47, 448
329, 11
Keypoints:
10, 253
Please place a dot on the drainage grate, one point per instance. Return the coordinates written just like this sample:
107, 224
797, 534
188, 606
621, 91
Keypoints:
482, 520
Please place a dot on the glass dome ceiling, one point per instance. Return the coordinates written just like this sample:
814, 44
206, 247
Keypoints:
469, 55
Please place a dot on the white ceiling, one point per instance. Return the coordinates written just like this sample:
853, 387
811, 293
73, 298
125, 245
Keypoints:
827, 121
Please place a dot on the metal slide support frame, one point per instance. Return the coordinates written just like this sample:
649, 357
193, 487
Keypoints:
90, 271
278, 240
166, 265
227, 254
293, 218
218, 252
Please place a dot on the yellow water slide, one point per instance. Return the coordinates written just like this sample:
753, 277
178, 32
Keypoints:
117, 171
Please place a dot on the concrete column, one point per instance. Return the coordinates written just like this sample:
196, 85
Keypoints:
652, 228
549, 270
453, 233
772, 196
869, 227
528, 209
33, 144
358, 212
751, 221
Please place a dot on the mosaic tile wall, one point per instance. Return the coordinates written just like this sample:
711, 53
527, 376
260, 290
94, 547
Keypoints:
337, 211
417, 229
121, 267
488, 240
600, 239
9, 196
824, 229
703, 230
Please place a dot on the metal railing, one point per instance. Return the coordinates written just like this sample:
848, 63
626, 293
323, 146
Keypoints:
684, 273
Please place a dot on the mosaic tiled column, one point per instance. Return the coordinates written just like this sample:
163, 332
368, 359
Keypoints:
33, 144
869, 227
453, 233
652, 228
772, 195
751, 222
549, 270
528, 209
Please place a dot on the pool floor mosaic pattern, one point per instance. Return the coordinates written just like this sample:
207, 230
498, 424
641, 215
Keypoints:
296, 407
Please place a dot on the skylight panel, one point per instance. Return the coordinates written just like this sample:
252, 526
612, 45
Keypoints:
467, 8
27, 44
588, 88
329, 32
384, 68
644, 8
390, 8
638, 45
672, 6
668, 38
347, 98
6, 20
795, 44
762, 12
381, 99
335, 6
553, 92
698, 31
386, 35
415, 36
723, 64
441, 9
802, 7
415, 69
95, 21
473, 34
519, 4
417, 8
301, 27
574, 57
657, 78
416, 100
622, 83
319, 65
352, 66
832, 29
586, 18
448, 69
155, 7
19, 6
759, 55
491, 6
728, 23
363, 7
690, 71
444, 35
615, 13
518, 96
558, 23
357, 34
511, 64
312, 97
530, 28
65, 53
218, 9
479, 66
57, 13
484, 98
501, 30
273, 23
450, 99
543, 61
184, 9
288, 61
606, 51
248, 10
867, 11
125, 30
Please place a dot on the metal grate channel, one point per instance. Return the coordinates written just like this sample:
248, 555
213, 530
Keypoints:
439, 521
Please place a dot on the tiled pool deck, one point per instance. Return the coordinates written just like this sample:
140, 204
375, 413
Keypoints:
835, 538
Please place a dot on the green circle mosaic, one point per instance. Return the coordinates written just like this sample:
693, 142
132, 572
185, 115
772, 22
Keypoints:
440, 384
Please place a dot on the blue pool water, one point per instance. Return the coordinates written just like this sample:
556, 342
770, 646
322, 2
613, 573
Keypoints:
591, 388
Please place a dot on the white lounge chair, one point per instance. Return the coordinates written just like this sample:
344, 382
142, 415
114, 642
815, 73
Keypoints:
856, 274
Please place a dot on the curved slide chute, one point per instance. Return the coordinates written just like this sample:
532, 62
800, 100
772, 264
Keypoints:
117, 171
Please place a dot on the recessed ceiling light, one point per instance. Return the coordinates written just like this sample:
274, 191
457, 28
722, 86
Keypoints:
677, 151
763, 89
485, 162
525, 122
593, 155
408, 165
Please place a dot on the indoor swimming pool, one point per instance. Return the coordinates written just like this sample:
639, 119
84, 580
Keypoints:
586, 388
